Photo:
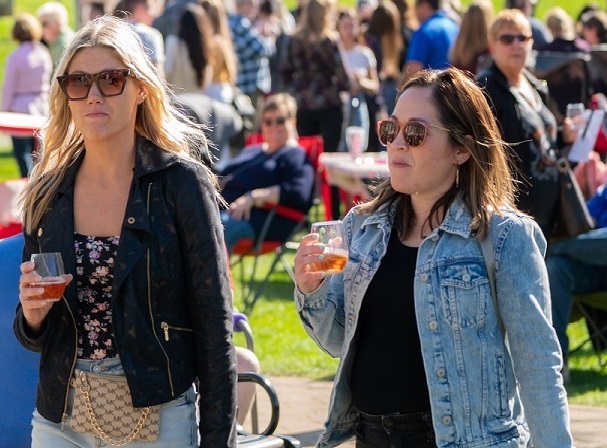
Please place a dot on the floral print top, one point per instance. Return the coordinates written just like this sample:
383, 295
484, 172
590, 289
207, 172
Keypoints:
95, 259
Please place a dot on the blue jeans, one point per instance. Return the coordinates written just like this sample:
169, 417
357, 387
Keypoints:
178, 423
235, 230
23, 148
575, 266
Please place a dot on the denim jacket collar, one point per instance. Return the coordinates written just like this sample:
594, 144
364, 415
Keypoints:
457, 220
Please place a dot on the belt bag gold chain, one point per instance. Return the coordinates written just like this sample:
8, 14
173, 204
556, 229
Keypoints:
103, 406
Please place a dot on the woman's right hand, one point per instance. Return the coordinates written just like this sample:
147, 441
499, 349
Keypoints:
308, 252
34, 310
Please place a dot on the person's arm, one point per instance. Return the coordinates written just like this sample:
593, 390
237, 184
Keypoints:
597, 206
523, 298
210, 304
320, 300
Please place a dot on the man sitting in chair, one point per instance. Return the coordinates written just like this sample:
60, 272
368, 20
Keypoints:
276, 171
578, 266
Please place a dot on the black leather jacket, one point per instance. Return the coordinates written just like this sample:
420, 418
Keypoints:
172, 304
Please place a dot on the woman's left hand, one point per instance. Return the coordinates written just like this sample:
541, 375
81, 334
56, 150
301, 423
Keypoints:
240, 209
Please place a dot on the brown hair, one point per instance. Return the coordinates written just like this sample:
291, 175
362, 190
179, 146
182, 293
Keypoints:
485, 179
27, 28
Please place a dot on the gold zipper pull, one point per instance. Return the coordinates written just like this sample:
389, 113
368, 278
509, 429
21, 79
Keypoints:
165, 328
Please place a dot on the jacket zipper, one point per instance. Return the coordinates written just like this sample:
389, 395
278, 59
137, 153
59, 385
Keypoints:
166, 327
149, 277
64, 416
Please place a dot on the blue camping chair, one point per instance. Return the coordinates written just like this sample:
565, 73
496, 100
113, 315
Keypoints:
19, 371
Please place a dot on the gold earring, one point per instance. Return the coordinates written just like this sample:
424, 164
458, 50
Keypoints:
457, 176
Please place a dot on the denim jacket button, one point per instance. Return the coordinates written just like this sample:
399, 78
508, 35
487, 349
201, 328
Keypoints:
434, 238
424, 277
446, 420
433, 325
466, 277
440, 373
130, 220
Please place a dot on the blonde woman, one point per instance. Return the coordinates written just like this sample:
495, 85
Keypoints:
424, 358
119, 192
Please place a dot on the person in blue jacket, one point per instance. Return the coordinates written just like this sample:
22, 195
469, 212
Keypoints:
424, 360
578, 266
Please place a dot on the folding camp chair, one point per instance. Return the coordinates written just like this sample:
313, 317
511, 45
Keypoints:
593, 308
245, 248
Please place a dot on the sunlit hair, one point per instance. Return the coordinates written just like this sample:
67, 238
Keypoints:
473, 36
317, 20
385, 25
225, 56
507, 18
54, 11
485, 180
27, 28
157, 120
560, 23
195, 31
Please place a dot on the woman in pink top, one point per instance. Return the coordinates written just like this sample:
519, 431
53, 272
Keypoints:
26, 82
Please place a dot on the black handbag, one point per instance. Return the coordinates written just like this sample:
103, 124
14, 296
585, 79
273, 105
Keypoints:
573, 216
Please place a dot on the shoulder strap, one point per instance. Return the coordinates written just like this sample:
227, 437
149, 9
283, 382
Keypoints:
487, 248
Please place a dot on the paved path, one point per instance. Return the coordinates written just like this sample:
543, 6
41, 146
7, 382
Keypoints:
304, 402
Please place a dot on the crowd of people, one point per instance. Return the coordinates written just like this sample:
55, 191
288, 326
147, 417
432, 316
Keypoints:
145, 146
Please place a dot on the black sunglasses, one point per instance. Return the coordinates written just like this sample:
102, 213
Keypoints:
109, 83
279, 121
508, 39
414, 132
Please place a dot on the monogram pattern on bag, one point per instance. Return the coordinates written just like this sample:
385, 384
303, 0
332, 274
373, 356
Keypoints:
111, 414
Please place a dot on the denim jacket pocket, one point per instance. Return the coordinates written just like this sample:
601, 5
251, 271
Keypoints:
464, 290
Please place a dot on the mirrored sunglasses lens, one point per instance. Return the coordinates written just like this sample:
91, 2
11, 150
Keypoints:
111, 83
415, 133
387, 132
77, 86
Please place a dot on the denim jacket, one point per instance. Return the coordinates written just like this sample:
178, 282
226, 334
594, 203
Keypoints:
478, 383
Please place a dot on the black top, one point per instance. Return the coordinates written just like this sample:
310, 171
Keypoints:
388, 372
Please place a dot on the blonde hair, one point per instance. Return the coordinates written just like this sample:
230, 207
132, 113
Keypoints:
226, 68
509, 17
473, 36
54, 11
560, 23
485, 180
157, 119
317, 20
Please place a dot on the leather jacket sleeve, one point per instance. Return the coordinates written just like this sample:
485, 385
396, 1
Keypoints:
210, 302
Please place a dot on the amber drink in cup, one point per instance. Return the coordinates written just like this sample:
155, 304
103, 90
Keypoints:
49, 265
331, 234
